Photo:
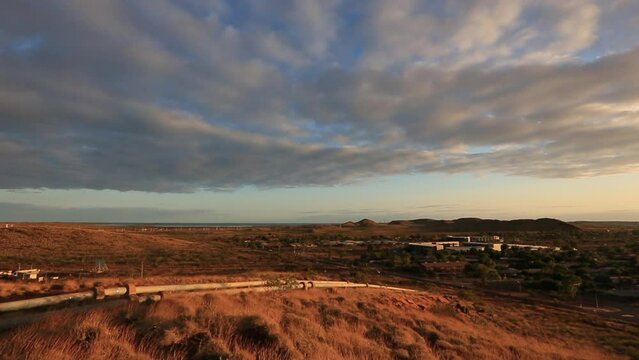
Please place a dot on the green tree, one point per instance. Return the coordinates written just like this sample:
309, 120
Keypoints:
487, 273
482, 271
570, 285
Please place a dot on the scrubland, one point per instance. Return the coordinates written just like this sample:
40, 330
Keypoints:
315, 324
444, 323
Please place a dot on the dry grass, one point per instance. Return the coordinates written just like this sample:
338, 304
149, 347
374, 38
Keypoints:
81, 239
344, 324
75, 248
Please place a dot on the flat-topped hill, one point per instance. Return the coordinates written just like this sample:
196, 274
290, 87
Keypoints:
488, 225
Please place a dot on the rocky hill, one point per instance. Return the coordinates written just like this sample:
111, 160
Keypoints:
366, 222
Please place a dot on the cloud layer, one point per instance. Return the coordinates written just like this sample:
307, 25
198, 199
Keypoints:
174, 96
19, 212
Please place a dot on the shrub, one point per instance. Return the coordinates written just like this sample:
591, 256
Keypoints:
252, 330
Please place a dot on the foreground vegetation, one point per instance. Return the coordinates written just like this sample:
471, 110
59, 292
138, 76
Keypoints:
349, 324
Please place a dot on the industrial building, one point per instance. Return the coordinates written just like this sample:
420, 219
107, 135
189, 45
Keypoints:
486, 238
492, 246
455, 245
433, 245
468, 243
466, 248
458, 238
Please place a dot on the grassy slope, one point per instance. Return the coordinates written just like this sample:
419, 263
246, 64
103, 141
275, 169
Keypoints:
41, 241
351, 324
68, 247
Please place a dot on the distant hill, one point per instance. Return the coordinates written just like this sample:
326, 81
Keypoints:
366, 222
486, 225
404, 222
363, 222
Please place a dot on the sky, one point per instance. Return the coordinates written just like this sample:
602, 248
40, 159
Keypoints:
318, 111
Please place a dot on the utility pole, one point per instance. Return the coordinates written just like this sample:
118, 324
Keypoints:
100, 266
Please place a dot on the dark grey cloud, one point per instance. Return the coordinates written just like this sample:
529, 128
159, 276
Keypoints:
174, 96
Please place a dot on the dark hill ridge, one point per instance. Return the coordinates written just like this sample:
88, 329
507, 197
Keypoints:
366, 222
476, 224
362, 223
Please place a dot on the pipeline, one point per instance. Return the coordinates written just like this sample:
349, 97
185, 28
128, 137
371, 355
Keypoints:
194, 287
45, 301
151, 293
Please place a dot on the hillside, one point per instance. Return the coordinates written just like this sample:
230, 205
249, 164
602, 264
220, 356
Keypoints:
487, 225
316, 324
47, 239
366, 222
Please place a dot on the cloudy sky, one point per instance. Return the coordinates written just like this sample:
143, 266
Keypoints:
305, 110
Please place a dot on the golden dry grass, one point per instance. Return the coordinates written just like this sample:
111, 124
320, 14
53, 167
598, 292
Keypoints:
80, 240
75, 248
316, 324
